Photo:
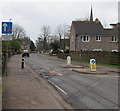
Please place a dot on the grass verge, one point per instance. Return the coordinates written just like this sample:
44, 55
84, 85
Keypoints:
44, 53
101, 64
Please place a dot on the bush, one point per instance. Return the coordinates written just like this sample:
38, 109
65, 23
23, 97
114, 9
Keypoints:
56, 51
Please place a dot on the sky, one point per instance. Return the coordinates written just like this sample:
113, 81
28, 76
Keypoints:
33, 14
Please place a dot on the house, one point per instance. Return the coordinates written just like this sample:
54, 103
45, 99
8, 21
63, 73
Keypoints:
92, 36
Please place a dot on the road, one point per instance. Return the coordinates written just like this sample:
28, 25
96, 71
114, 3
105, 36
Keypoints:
83, 91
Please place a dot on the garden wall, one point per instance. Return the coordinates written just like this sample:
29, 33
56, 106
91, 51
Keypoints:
101, 57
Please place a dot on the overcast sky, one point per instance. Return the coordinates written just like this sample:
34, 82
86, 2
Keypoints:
34, 14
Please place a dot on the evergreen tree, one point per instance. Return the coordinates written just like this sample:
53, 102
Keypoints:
32, 46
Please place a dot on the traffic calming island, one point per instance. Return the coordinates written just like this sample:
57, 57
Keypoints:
69, 65
88, 71
91, 70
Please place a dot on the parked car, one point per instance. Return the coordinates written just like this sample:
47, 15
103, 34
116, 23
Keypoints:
55, 52
25, 53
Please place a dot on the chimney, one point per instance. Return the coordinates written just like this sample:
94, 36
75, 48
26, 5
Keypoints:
97, 20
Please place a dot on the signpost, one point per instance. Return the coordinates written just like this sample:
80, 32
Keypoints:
92, 64
6, 27
6, 36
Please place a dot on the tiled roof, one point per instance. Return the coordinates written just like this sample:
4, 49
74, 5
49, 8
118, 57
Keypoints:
89, 28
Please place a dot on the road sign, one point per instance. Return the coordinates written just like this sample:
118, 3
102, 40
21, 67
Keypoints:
6, 37
92, 65
6, 27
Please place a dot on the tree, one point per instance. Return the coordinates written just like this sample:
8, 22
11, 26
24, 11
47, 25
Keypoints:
39, 44
63, 31
18, 31
55, 45
26, 40
15, 45
59, 31
32, 46
45, 32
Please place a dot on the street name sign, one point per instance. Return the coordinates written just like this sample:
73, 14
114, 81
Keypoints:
6, 27
6, 37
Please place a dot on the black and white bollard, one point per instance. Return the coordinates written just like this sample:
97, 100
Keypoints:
22, 64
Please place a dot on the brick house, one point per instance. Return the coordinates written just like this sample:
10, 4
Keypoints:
92, 36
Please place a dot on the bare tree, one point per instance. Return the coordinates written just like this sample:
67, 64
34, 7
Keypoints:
45, 32
66, 34
39, 44
63, 31
18, 31
52, 38
59, 31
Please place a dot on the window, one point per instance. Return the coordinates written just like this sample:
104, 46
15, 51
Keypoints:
98, 38
85, 38
113, 39
114, 50
83, 50
97, 49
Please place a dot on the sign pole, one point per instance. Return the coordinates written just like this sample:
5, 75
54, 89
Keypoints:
6, 36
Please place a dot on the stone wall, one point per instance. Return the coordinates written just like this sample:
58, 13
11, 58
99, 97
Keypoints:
101, 57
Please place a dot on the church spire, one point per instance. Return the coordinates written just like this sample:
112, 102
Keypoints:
91, 15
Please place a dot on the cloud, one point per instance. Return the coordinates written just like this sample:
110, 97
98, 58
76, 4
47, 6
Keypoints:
33, 15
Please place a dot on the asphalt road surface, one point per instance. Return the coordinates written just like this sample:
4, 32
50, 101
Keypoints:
83, 91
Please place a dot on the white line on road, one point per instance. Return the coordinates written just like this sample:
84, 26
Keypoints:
58, 87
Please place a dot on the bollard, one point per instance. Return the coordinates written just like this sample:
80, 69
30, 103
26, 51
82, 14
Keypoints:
92, 65
22, 64
68, 60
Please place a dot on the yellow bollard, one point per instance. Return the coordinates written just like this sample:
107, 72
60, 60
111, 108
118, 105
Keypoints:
92, 65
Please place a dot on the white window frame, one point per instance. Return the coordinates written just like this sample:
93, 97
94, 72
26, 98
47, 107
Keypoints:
87, 38
83, 50
114, 50
97, 49
98, 38
114, 39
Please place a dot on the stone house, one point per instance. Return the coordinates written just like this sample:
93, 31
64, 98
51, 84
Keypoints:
92, 36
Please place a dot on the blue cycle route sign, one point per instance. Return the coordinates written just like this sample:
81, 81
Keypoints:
6, 27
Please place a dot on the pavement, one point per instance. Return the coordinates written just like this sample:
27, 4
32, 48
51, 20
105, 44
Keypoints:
25, 89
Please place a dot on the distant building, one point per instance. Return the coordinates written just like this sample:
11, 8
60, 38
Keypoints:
91, 36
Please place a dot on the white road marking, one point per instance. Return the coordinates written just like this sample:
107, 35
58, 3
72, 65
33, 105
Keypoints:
58, 87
